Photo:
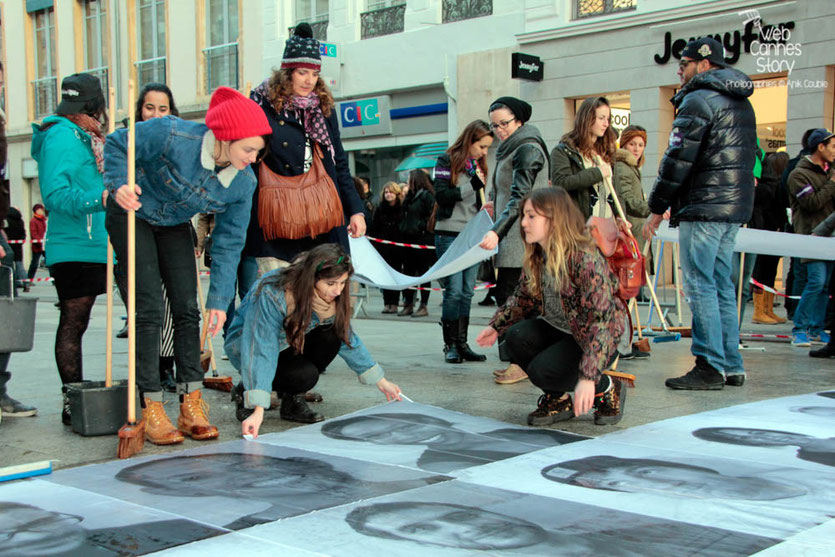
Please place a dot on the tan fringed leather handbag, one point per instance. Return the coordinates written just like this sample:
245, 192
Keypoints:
294, 207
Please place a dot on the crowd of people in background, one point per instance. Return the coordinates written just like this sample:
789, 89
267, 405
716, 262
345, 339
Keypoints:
284, 251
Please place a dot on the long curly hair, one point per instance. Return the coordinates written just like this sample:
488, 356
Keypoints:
567, 235
459, 151
580, 136
280, 89
326, 261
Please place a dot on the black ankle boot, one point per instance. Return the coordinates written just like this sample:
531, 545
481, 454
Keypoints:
450, 332
241, 413
463, 347
295, 409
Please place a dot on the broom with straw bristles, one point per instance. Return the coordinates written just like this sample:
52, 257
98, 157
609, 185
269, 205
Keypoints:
132, 434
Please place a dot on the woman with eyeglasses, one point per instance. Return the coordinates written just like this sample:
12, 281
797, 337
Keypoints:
183, 168
520, 160
573, 160
289, 328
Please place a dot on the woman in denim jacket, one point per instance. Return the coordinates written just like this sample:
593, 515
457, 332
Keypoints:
290, 326
183, 168
563, 322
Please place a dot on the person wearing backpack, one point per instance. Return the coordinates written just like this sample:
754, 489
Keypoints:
563, 322
460, 176
417, 227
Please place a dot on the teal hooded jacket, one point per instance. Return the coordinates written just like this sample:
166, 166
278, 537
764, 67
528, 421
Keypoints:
71, 187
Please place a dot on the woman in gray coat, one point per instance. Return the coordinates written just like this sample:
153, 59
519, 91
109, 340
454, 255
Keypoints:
520, 159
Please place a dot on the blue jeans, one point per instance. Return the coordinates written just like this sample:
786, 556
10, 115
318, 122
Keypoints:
748, 268
706, 254
458, 288
811, 309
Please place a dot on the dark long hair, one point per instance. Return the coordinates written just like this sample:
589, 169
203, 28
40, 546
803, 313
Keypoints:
459, 151
419, 180
159, 88
581, 134
280, 89
326, 261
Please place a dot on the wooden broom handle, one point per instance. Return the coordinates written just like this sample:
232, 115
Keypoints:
205, 333
131, 258
108, 342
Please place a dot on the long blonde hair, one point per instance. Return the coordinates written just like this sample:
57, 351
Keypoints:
567, 235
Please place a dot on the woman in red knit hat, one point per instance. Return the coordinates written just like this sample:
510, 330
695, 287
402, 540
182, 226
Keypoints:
183, 168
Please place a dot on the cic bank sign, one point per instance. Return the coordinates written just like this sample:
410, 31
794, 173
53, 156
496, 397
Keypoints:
365, 117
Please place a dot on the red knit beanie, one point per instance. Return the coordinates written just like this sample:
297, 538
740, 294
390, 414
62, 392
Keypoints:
232, 116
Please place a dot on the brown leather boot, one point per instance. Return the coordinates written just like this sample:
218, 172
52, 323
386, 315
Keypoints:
760, 316
194, 419
158, 428
768, 306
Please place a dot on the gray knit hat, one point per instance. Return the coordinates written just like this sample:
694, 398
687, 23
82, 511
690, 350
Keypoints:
302, 50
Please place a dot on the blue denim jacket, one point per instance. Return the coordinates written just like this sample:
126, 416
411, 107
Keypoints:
175, 170
257, 335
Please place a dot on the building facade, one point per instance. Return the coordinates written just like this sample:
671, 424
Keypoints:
409, 74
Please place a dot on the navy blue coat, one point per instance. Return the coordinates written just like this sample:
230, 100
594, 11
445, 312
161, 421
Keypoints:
286, 158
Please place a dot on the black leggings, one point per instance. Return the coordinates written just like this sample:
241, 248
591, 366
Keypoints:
550, 357
298, 373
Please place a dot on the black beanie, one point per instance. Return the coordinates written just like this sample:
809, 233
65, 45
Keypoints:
520, 109
301, 50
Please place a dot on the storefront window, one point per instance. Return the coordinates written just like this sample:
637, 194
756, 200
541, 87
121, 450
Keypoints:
770, 102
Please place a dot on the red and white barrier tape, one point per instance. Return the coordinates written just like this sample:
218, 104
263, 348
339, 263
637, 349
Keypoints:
757, 336
769, 289
24, 241
483, 286
390, 243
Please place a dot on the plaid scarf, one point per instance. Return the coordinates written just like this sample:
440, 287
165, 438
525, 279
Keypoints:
310, 114
93, 129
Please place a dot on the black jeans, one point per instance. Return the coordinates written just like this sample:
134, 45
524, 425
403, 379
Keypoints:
298, 373
33, 265
164, 255
550, 357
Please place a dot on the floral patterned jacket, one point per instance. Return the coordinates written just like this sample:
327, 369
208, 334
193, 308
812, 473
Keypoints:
596, 316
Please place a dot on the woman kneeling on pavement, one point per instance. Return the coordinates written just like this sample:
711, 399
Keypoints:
289, 328
183, 168
563, 322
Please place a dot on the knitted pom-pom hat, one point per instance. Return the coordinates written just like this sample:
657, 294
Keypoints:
232, 116
302, 50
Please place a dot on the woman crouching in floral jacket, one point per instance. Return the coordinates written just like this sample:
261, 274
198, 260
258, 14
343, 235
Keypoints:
563, 322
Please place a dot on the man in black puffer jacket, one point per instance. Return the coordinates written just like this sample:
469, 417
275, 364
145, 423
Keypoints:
706, 179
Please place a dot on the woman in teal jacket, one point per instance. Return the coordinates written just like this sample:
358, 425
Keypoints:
68, 148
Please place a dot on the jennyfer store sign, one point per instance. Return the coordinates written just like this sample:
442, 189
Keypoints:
771, 44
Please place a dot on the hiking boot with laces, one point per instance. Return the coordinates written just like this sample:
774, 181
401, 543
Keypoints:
158, 428
194, 418
551, 409
703, 377
608, 407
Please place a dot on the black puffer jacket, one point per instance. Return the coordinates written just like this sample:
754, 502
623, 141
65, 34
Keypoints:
707, 172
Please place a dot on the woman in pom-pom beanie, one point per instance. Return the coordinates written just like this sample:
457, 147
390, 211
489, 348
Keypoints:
302, 115
183, 168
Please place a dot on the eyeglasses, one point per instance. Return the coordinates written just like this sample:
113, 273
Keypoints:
684, 63
501, 125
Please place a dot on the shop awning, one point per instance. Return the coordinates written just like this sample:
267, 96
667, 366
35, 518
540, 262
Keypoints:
423, 156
